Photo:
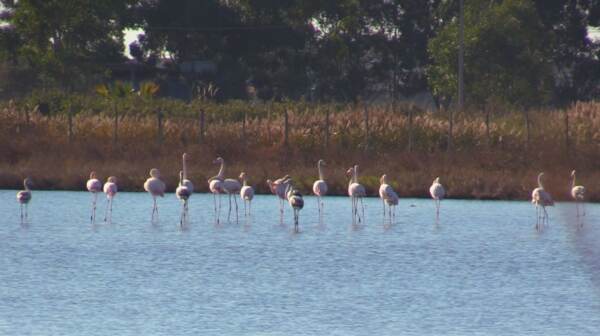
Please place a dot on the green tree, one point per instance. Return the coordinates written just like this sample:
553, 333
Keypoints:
65, 40
507, 55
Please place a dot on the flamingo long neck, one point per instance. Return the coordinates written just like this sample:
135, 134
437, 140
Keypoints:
25, 185
245, 181
540, 181
573, 181
184, 168
355, 174
221, 173
320, 171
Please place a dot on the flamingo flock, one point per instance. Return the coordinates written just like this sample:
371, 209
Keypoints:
285, 191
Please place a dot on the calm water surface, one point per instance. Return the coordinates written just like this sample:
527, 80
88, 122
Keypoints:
482, 270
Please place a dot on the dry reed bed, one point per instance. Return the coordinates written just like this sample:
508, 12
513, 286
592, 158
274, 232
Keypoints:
502, 165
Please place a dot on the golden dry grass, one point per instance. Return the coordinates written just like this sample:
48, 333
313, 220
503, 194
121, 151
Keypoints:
501, 166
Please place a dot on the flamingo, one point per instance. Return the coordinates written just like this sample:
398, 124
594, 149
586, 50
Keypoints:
388, 196
247, 193
24, 196
294, 198
279, 188
183, 193
541, 198
437, 193
320, 186
578, 193
215, 184
356, 191
155, 187
185, 181
110, 189
228, 186
94, 186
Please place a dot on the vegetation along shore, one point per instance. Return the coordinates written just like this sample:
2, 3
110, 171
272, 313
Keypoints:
491, 154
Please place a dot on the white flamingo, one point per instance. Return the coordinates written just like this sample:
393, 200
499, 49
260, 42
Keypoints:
215, 184
156, 187
541, 198
388, 196
356, 191
320, 186
94, 186
229, 186
279, 188
578, 193
183, 193
185, 181
437, 193
24, 196
247, 194
110, 189
294, 198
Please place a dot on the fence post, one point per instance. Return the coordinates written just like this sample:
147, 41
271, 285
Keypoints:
366, 110
202, 125
70, 121
285, 127
450, 127
567, 140
527, 123
410, 128
327, 127
116, 125
244, 127
160, 126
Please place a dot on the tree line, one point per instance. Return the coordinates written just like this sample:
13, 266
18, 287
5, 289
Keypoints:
518, 53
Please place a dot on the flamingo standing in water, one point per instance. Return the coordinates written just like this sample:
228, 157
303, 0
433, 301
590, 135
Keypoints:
437, 193
24, 196
388, 196
110, 189
156, 187
246, 193
215, 184
578, 194
279, 188
541, 198
228, 186
356, 191
320, 186
183, 193
94, 186
294, 198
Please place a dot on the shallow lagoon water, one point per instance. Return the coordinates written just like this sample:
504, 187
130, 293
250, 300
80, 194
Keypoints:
481, 270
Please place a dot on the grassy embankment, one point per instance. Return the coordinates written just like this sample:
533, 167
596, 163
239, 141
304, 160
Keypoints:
499, 164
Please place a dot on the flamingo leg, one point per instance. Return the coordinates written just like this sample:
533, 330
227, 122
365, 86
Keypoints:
383, 203
229, 214
219, 211
245, 212
106, 210
363, 208
296, 215
249, 208
154, 208
21, 213
182, 214
236, 209
26, 211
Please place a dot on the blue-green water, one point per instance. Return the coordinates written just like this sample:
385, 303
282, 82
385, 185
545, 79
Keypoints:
482, 270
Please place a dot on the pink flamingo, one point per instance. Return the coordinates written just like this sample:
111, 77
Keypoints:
294, 198
94, 186
110, 189
215, 184
228, 186
155, 187
356, 191
320, 186
246, 193
388, 196
541, 198
578, 194
24, 196
183, 193
279, 188
437, 193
